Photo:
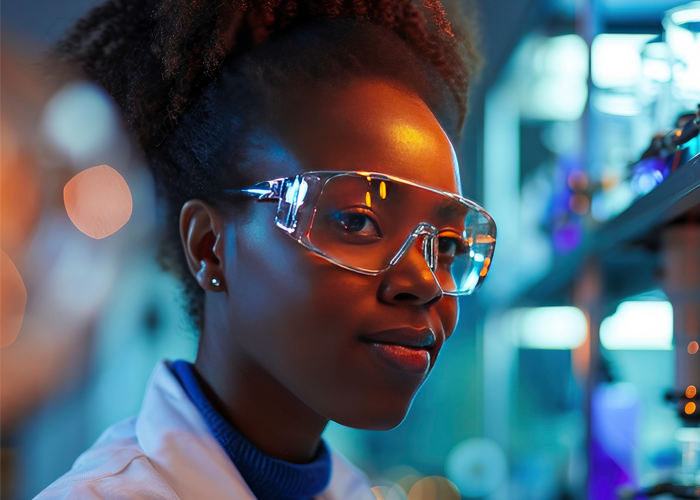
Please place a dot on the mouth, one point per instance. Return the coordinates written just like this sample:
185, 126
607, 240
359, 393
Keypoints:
404, 349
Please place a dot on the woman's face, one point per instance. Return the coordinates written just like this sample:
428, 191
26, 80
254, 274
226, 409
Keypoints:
321, 331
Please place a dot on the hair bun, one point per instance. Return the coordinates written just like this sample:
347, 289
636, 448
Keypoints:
155, 56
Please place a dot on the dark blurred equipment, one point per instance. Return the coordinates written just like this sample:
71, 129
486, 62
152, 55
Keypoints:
665, 145
662, 489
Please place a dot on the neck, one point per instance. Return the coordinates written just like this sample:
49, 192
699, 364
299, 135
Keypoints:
258, 405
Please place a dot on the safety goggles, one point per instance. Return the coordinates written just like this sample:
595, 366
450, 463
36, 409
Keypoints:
366, 222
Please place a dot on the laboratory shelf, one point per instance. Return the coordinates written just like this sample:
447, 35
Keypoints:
626, 246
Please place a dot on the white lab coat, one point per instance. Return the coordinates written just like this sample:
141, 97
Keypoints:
167, 452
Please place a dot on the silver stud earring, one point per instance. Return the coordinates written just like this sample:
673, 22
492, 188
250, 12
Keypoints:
215, 282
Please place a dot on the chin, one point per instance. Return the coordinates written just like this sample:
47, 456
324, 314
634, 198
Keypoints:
375, 417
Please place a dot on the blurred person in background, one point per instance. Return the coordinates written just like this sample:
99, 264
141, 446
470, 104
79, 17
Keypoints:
329, 122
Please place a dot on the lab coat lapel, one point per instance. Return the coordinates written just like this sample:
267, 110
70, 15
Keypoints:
181, 448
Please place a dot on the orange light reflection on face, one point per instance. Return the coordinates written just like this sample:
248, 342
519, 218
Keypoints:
412, 138
690, 392
690, 408
692, 347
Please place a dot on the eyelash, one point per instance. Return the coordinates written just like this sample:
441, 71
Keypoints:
358, 211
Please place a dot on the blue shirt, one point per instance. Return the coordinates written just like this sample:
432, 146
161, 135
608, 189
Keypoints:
267, 477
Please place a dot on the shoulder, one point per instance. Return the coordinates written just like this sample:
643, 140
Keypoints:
115, 467
347, 481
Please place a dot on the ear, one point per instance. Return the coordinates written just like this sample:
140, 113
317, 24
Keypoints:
201, 229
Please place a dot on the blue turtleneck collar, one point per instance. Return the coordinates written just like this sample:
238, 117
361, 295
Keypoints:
267, 477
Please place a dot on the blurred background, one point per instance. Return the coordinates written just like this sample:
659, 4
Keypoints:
573, 371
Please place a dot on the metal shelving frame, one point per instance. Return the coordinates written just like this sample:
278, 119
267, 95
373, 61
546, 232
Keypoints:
626, 245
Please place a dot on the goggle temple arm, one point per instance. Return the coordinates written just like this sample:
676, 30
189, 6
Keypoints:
290, 192
266, 190
273, 190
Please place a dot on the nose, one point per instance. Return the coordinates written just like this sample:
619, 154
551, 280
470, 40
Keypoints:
410, 281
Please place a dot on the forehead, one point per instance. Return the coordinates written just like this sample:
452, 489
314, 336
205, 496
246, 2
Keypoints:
368, 126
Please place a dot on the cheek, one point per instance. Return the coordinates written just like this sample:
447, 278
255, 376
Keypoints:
270, 284
279, 286
448, 310
285, 308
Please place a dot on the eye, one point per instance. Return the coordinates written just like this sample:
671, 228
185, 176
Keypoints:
357, 223
451, 246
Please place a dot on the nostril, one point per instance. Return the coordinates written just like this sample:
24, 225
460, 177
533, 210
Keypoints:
405, 297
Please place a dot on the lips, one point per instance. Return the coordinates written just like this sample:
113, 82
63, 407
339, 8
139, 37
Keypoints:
423, 338
405, 349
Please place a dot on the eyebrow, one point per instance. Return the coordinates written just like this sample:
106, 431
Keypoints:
452, 209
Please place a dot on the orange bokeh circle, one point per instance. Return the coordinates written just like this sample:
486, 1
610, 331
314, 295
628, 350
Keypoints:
98, 201
690, 408
13, 300
434, 488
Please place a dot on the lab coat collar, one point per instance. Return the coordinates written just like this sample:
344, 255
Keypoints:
181, 448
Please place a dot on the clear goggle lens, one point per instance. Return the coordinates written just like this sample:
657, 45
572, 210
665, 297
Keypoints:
368, 222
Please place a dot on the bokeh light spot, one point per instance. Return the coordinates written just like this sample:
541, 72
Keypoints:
380, 492
13, 300
690, 408
579, 204
80, 120
692, 347
425, 489
477, 466
577, 180
98, 201
434, 488
690, 392
637, 325
385, 492
20, 192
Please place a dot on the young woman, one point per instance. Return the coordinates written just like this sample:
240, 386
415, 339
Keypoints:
303, 153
